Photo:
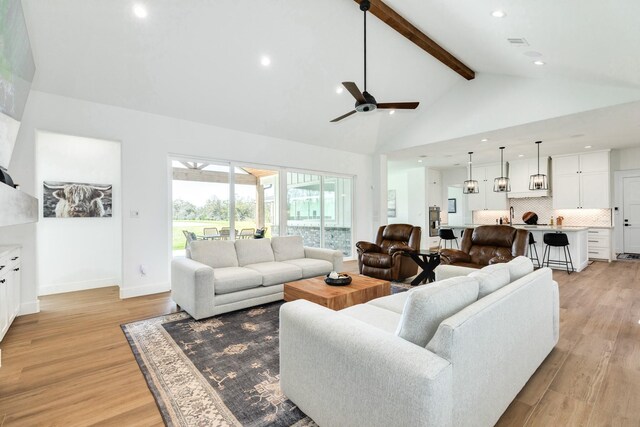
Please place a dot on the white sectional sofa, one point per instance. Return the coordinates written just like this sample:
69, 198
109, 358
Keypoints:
219, 276
451, 353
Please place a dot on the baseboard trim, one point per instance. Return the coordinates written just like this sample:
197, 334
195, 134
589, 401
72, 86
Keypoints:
30, 307
138, 291
61, 288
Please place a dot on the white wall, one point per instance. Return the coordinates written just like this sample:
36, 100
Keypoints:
397, 181
625, 159
492, 101
455, 177
147, 140
458, 217
78, 253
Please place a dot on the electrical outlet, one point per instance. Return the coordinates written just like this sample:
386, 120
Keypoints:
134, 213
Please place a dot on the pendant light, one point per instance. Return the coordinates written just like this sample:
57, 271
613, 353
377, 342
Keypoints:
538, 181
501, 184
470, 186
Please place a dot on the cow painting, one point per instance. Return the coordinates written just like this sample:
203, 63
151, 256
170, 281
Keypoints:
76, 200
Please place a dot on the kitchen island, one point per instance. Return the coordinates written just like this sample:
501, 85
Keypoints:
578, 242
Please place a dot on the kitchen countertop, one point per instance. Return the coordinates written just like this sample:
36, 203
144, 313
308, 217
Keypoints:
541, 227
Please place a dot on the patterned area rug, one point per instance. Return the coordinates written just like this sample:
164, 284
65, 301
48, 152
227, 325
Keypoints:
221, 371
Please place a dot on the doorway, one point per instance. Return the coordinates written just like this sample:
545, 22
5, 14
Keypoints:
631, 214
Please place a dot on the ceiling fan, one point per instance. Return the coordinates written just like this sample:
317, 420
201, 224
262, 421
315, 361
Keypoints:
365, 102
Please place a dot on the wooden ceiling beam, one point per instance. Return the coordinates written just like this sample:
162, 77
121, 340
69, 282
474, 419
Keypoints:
404, 27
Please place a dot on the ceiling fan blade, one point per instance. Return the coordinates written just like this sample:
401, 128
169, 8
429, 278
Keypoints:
354, 91
344, 116
399, 105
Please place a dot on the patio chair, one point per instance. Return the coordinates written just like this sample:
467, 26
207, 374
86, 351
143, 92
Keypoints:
246, 233
190, 236
225, 233
211, 233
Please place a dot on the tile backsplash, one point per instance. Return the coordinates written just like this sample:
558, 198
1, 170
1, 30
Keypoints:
543, 206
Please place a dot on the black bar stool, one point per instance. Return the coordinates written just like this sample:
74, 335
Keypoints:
446, 234
533, 250
557, 240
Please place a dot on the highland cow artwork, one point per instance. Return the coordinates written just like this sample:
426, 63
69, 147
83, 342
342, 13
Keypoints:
76, 200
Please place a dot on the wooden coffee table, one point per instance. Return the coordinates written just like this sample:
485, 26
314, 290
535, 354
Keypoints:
361, 290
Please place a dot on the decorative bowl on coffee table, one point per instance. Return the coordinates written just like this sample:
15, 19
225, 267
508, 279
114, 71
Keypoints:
342, 280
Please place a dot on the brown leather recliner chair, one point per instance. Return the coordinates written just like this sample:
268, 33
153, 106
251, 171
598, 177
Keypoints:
384, 259
487, 244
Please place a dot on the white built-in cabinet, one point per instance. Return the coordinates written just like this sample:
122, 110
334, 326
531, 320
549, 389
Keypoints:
9, 286
434, 188
487, 199
582, 181
519, 173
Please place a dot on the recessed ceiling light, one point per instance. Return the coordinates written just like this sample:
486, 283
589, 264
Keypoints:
539, 62
140, 11
265, 61
484, 139
587, 146
392, 112
339, 89
420, 161
498, 14
520, 155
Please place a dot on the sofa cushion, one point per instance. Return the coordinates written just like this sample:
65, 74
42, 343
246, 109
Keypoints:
214, 253
233, 279
393, 303
276, 273
519, 267
312, 267
426, 308
491, 278
447, 271
286, 248
254, 251
374, 316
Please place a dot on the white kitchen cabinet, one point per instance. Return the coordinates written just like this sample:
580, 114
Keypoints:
487, 199
599, 240
9, 287
582, 181
434, 188
520, 172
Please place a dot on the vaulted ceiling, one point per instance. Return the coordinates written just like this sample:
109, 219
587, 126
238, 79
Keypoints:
200, 60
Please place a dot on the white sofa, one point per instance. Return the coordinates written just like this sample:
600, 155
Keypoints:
219, 276
451, 353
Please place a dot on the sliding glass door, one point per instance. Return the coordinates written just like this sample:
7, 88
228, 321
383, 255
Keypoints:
234, 201
319, 208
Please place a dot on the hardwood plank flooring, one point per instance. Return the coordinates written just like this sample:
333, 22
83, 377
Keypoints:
71, 365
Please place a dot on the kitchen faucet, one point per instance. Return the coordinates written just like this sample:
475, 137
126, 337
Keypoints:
511, 215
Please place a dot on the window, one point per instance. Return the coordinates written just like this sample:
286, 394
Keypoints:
231, 201
319, 208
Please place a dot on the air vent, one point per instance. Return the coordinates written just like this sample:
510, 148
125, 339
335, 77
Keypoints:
518, 42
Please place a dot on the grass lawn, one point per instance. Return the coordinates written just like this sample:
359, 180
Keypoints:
197, 227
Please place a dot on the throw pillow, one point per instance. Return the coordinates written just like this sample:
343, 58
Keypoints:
491, 278
286, 248
426, 308
519, 267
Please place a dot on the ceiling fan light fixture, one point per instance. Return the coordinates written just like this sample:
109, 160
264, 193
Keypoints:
538, 181
502, 184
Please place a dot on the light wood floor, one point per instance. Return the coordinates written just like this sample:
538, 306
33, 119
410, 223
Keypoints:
71, 364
